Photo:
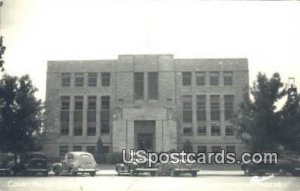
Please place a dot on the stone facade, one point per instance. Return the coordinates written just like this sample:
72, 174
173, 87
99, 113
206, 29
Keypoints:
165, 112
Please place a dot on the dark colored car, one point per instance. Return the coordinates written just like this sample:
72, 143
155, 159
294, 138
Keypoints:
6, 163
176, 169
135, 168
31, 163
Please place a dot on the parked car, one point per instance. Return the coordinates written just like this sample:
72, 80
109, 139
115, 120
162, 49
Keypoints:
6, 163
76, 162
176, 169
135, 168
31, 163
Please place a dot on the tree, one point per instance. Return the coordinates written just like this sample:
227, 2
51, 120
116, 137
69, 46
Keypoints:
20, 114
258, 120
2, 49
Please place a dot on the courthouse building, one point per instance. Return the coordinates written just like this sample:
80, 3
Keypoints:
152, 102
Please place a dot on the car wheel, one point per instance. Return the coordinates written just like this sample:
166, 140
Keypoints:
46, 174
93, 173
194, 174
281, 171
247, 171
131, 172
56, 171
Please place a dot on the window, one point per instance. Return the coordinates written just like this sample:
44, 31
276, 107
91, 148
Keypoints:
66, 79
201, 130
105, 149
105, 79
92, 79
105, 114
77, 148
91, 130
186, 78
64, 115
138, 85
202, 149
215, 107
187, 129
91, 116
78, 116
215, 130
216, 149
214, 78
92, 102
91, 149
200, 78
229, 131
230, 149
228, 104
201, 108
79, 79
153, 85
187, 109
228, 78
63, 150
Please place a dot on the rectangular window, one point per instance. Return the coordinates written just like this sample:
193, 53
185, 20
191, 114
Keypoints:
77, 148
202, 149
91, 116
228, 78
200, 78
153, 85
64, 115
91, 130
105, 115
66, 79
216, 149
214, 78
229, 131
92, 102
215, 107
104, 126
63, 150
105, 78
187, 129
201, 130
105, 102
187, 109
138, 85
215, 130
91, 149
65, 102
186, 78
78, 116
228, 106
79, 79
201, 108
92, 79
230, 149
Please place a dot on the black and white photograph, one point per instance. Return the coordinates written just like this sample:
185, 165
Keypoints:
149, 95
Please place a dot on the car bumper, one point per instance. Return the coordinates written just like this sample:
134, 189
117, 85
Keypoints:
86, 169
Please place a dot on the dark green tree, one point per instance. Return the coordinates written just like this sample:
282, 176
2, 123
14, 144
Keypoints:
20, 114
258, 120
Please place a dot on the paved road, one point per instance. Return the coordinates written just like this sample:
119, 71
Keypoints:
107, 180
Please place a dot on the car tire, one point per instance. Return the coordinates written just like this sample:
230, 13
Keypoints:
131, 172
46, 174
194, 174
93, 173
281, 171
56, 171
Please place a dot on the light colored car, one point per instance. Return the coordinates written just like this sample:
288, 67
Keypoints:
76, 162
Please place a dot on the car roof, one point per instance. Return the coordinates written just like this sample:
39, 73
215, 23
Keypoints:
76, 153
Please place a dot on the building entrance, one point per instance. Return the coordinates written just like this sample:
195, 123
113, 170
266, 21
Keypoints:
144, 135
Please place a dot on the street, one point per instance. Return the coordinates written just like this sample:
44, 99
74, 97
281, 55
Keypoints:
107, 180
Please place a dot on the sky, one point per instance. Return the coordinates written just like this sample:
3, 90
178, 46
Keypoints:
265, 32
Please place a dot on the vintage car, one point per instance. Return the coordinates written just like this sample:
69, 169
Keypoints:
31, 163
135, 168
176, 169
76, 162
6, 163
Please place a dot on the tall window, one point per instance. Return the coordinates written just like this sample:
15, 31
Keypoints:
104, 114
64, 115
91, 149
229, 131
214, 78
77, 148
202, 149
228, 78
152, 85
201, 108
65, 79
63, 149
138, 85
105, 78
216, 149
228, 106
78, 118
91, 116
215, 107
187, 113
230, 149
79, 79
201, 130
200, 78
186, 78
92, 79
215, 130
